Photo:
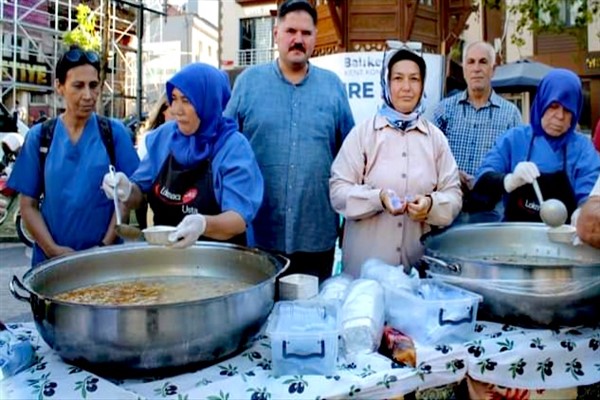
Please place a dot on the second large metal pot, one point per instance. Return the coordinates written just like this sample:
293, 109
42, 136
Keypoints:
525, 278
149, 339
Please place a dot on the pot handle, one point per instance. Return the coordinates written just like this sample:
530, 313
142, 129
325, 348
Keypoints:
13, 290
283, 260
455, 267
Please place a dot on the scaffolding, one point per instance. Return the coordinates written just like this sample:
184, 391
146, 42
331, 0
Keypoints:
32, 33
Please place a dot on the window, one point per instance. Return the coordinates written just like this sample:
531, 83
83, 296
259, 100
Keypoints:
567, 12
428, 3
256, 40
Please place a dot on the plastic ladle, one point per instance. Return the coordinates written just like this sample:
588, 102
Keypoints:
553, 212
124, 231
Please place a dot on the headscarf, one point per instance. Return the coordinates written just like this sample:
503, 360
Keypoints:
207, 89
561, 86
397, 119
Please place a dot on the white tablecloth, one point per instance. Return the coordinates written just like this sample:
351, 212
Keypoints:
246, 376
499, 354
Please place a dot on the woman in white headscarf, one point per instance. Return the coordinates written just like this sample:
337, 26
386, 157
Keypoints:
395, 175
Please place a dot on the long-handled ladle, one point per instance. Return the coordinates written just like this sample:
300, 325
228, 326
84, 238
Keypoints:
552, 212
124, 231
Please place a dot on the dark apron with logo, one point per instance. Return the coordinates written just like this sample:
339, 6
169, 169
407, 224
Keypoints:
178, 191
523, 205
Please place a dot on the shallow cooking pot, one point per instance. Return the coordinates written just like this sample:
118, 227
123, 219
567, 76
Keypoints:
149, 339
525, 278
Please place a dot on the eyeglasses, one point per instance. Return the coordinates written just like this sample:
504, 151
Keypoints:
75, 55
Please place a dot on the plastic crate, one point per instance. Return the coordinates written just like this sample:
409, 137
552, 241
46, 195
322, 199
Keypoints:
436, 313
304, 337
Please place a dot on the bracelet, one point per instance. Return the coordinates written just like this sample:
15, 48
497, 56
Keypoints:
430, 203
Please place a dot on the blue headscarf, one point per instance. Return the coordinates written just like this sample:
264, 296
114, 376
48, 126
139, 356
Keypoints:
395, 118
561, 86
207, 89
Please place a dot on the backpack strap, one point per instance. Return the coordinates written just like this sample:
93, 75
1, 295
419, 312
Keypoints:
46, 135
107, 138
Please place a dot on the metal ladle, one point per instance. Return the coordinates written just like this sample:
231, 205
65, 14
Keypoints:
553, 212
124, 231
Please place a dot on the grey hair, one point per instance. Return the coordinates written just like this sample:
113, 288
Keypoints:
488, 48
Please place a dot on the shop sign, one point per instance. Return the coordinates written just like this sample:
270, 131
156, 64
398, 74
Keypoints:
592, 62
28, 65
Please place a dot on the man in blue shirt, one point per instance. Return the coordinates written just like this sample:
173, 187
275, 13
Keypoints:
295, 116
473, 119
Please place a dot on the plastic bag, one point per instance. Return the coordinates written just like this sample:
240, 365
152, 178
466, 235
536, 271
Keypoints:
389, 275
16, 354
335, 288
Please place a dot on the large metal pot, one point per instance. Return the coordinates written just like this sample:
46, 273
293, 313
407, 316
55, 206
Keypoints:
525, 278
150, 339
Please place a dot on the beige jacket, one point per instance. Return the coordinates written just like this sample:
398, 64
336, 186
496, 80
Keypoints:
376, 156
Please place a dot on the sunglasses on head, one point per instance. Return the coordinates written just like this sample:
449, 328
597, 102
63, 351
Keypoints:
414, 47
75, 55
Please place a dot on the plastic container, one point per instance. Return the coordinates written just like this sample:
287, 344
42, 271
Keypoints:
436, 313
304, 337
298, 287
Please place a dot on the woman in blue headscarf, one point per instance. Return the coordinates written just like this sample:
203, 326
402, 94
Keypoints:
562, 160
200, 172
395, 175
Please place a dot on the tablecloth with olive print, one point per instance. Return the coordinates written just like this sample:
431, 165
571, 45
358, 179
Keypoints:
245, 376
534, 359
499, 354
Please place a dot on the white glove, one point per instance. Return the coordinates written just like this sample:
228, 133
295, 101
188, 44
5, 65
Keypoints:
574, 218
525, 172
3, 205
188, 231
122, 183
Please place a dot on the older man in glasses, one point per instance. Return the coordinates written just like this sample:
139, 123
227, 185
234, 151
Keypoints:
472, 121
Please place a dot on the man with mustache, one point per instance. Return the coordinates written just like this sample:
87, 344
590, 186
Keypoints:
295, 116
472, 121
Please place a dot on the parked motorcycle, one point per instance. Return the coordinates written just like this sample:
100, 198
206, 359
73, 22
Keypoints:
11, 145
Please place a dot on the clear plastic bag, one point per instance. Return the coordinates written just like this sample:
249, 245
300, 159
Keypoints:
335, 288
16, 354
389, 275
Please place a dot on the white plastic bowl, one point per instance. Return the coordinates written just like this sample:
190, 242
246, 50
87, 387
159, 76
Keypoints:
562, 234
158, 234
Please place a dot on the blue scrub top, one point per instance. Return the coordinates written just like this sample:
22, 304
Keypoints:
75, 209
582, 161
237, 180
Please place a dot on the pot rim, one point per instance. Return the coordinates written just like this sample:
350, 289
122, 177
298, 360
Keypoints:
276, 259
453, 257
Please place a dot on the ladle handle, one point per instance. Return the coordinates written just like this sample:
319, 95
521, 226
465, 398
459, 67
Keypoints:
111, 169
538, 192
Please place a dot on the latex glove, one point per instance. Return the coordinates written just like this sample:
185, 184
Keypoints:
188, 231
525, 172
3, 205
122, 183
574, 217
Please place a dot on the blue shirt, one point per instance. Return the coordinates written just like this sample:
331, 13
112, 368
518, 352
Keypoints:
237, 180
472, 132
295, 131
75, 209
583, 163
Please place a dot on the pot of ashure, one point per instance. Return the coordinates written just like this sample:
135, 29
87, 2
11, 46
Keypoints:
525, 278
138, 309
